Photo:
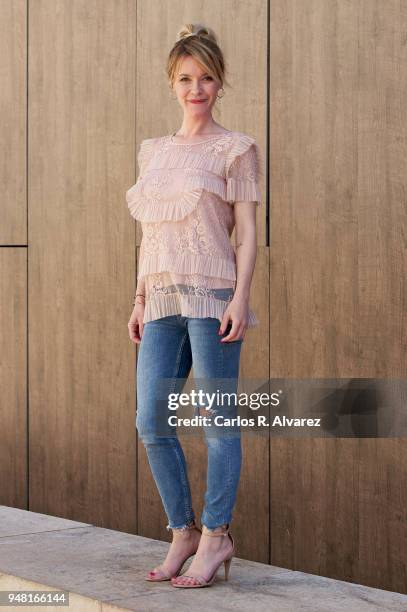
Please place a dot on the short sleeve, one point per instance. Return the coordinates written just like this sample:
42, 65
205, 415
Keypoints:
243, 171
144, 155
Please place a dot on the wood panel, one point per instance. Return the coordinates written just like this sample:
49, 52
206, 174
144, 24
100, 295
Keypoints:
338, 264
13, 377
82, 260
13, 171
13, 261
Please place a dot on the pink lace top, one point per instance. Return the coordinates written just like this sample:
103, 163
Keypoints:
184, 198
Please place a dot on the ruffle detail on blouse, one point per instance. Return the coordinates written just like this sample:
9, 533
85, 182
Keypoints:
145, 153
164, 305
243, 191
171, 194
154, 211
240, 144
188, 263
243, 170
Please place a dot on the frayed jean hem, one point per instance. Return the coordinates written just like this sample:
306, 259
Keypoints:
183, 526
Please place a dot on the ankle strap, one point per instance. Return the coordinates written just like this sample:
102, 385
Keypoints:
223, 530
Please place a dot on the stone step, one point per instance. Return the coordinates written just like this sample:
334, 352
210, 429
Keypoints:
104, 570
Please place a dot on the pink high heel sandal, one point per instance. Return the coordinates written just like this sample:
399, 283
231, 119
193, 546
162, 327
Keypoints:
200, 581
158, 574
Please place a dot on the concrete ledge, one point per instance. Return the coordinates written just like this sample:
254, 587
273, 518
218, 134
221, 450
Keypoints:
76, 602
104, 570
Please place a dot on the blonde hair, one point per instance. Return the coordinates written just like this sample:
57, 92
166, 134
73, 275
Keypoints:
200, 42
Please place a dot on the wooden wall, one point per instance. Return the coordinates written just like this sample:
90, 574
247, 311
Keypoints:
13, 257
321, 85
337, 167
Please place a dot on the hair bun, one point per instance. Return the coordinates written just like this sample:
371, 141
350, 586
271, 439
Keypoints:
196, 29
198, 41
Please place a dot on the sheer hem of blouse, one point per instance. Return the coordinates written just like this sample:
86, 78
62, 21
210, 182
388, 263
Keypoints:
164, 305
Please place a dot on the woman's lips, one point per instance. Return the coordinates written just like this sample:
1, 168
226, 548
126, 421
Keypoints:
197, 101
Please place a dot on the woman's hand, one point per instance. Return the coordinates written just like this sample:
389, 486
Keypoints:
135, 325
238, 313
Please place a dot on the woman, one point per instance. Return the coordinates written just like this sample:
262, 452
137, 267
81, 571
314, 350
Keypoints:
191, 305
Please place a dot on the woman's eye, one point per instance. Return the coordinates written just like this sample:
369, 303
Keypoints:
186, 78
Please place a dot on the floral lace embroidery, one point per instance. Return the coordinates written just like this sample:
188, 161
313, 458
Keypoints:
217, 146
191, 236
156, 183
157, 286
163, 144
245, 166
194, 284
153, 238
194, 238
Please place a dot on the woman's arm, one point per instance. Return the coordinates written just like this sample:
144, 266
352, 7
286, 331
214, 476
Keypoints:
246, 247
136, 325
246, 252
141, 286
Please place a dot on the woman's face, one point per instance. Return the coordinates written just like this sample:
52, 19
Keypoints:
192, 82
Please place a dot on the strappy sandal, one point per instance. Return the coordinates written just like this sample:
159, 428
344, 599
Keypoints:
158, 574
200, 581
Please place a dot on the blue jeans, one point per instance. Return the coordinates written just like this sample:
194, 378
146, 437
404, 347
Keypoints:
169, 347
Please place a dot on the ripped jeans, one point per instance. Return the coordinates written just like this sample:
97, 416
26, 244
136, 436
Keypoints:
170, 346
